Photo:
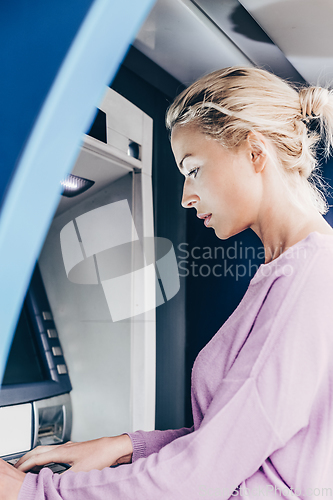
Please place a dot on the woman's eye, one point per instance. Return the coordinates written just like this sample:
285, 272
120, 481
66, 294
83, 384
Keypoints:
193, 172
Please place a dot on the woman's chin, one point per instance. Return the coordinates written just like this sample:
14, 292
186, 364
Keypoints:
223, 234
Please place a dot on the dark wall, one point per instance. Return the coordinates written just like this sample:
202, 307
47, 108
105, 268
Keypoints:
152, 90
327, 171
218, 274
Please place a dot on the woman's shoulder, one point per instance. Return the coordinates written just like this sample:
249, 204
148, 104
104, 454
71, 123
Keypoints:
312, 255
294, 322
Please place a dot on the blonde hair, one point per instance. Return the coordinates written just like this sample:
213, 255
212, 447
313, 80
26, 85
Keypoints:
229, 103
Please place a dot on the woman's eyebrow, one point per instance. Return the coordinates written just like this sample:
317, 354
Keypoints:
181, 163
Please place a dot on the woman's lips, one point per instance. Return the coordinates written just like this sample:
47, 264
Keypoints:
207, 218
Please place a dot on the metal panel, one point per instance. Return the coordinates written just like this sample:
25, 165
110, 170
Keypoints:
243, 30
184, 41
302, 29
111, 362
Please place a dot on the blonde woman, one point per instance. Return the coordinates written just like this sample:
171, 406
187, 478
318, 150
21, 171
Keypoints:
262, 388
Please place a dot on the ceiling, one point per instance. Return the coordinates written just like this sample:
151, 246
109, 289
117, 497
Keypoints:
303, 31
293, 38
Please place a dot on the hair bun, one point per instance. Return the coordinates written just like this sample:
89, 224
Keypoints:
313, 100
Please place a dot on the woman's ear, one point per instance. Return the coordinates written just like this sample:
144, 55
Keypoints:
257, 150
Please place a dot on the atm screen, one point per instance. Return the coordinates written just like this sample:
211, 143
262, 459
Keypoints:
24, 364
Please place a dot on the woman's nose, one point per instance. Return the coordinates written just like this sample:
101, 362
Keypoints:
189, 198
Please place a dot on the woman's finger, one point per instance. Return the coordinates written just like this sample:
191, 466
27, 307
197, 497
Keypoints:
36, 451
39, 450
55, 454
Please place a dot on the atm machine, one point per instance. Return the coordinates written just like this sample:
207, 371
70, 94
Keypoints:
82, 363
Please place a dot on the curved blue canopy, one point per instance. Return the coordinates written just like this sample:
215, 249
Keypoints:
55, 59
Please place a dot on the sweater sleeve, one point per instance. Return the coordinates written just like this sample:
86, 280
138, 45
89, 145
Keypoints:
229, 446
147, 442
248, 418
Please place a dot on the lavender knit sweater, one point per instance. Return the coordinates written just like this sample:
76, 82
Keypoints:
262, 399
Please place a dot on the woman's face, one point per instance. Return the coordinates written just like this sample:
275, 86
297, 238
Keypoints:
223, 185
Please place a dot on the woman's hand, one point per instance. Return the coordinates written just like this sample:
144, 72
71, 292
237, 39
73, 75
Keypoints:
10, 481
85, 456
